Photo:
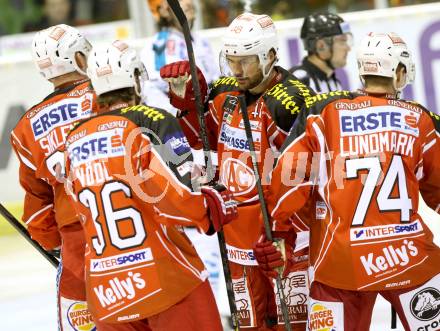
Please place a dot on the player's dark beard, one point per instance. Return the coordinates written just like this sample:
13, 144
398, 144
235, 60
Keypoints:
254, 82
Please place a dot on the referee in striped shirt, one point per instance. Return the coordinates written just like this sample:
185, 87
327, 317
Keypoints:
327, 39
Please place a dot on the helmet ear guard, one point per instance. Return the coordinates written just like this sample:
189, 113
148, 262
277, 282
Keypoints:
115, 67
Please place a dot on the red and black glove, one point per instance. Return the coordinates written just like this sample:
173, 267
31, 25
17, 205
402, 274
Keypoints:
181, 92
222, 207
276, 257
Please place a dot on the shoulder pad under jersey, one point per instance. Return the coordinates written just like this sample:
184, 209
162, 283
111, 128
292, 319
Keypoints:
285, 99
160, 126
222, 85
318, 102
315, 105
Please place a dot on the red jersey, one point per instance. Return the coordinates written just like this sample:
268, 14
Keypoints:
271, 116
40, 132
368, 157
130, 174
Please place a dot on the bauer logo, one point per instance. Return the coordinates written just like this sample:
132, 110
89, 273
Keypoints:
122, 260
80, 318
425, 304
321, 318
98, 145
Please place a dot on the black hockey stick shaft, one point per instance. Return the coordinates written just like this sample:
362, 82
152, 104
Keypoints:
175, 6
267, 227
22, 230
393, 319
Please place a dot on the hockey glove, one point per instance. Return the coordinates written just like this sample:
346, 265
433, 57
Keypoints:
276, 257
222, 208
181, 91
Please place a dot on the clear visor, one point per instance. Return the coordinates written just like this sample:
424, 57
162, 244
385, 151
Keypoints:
345, 39
237, 66
143, 73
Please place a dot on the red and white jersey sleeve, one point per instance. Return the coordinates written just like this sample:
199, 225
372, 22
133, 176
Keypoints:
428, 170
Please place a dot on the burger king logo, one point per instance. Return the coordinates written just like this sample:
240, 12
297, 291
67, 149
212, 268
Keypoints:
80, 318
321, 318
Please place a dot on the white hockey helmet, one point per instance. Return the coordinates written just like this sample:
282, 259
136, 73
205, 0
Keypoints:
113, 67
250, 34
379, 54
54, 49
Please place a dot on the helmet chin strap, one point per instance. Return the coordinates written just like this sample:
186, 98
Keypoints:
399, 89
265, 74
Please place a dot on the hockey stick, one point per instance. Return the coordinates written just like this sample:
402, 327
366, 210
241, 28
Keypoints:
267, 227
175, 6
393, 319
22, 230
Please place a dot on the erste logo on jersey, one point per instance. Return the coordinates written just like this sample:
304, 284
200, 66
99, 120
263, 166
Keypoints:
97, 145
122, 260
384, 231
237, 176
80, 318
59, 114
235, 138
378, 119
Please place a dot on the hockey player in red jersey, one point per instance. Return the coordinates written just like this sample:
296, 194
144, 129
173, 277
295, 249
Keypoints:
60, 55
274, 98
369, 155
129, 170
